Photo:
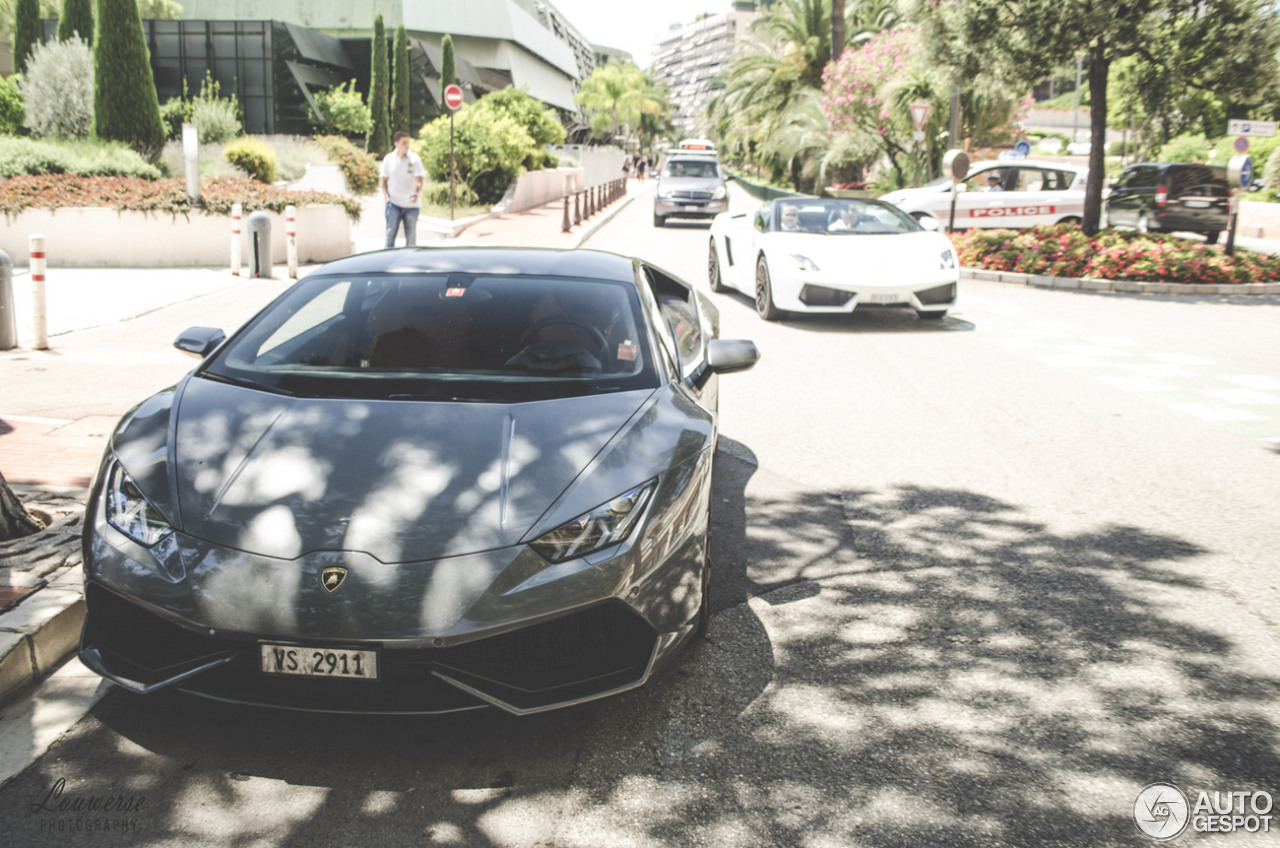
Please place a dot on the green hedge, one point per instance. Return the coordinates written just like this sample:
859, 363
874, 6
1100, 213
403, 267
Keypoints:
82, 158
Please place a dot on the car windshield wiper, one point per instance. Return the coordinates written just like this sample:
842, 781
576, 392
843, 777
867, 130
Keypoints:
244, 384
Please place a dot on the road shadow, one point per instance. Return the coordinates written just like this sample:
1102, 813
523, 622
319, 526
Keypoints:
905, 666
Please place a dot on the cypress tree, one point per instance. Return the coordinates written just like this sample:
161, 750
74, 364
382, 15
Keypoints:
448, 73
77, 19
379, 141
26, 31
125, 107
400, 117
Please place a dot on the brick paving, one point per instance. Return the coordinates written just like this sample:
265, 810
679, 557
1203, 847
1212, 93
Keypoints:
43, 452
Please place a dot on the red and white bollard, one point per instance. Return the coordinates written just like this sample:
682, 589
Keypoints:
235, 238
39, 305
291, 240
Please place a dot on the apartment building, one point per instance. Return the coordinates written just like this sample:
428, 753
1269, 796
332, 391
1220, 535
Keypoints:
689, 59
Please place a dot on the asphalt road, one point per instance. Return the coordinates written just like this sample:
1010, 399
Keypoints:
978, 582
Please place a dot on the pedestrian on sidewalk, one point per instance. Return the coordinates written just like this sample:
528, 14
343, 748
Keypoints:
642, 164
402, 177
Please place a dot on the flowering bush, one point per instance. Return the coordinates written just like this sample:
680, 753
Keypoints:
1065, 251
55, 191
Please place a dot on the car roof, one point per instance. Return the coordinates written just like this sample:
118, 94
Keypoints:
515, 261
1018, 163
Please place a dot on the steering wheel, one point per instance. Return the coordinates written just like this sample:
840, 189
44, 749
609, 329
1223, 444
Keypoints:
597, 337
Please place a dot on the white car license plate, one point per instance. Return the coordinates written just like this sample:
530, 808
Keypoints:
307, 661
691, 207
1197, 204
884, 298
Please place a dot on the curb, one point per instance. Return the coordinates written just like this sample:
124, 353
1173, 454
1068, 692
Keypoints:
1118, 286
40, 632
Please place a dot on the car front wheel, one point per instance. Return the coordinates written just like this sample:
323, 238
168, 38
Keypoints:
713, 268
1211, 237
764, 293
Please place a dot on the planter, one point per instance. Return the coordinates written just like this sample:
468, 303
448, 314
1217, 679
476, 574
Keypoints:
100, 237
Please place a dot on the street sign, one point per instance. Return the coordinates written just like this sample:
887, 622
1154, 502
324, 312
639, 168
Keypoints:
1023, 148
1240, 171
1263, 129
920, 113
452, 96
1241, 144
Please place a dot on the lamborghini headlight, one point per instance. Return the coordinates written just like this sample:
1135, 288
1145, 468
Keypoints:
128, 511
607, 524
805, 263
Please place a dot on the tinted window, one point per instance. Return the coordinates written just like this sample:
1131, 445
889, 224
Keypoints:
699, 168
1197, 181
1141, 176
465, 336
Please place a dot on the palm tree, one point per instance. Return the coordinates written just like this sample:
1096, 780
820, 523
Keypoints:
617, 95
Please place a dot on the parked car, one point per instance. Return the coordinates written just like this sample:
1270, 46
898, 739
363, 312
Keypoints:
1169, 197
421, 480
1003, 193
690, 185
809, 254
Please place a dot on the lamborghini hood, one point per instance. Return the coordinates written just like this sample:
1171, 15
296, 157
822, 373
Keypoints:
400, 481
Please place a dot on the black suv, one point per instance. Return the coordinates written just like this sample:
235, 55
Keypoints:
1159, 196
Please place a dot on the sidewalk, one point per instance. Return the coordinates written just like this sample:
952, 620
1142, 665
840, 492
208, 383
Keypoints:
110, 346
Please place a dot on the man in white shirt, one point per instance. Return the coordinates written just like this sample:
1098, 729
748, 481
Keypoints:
402, 178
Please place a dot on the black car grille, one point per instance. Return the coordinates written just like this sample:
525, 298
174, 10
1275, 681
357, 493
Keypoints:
938, 294
683, 194
811, 295
575, 656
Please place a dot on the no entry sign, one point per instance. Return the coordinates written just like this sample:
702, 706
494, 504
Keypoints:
452, 96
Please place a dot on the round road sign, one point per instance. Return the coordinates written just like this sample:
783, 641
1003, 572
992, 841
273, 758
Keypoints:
452, 96
1241, 144
956, 163
1240, 170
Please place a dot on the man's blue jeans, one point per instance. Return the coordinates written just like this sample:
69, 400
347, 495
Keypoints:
407, 214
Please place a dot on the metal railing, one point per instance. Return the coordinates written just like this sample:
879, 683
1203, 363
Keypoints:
581, 205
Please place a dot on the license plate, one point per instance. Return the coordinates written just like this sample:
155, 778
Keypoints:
691, 207
883, 298
1197, 204
305, 661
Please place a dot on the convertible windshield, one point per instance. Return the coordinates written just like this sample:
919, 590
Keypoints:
840, 217
447, 336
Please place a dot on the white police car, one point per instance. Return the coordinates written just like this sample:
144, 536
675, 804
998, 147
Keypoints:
1004, 193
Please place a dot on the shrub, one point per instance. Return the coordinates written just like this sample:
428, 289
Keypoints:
343, 109
58, 89
26, 32
12, 110
254, 157
76, 20
83, 158
438, 194
215, 119
125, 107
400, 82
360, 167
1186, 148
379, 141
209, 160
293, 154
174, 113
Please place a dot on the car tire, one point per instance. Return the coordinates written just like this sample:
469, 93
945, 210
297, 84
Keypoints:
1211, 237
658, 220
764, 293
713, 268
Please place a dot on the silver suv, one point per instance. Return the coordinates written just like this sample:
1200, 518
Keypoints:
690, 186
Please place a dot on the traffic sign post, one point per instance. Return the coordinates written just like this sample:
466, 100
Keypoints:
956, 165
1239, 176
452, 99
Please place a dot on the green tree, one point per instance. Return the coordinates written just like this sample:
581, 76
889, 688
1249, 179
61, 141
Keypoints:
400, 117
379, 140
26, 32
160, 10
1205, 45
448, 73
125, 107
617, 95
538, 121
489, 148
76, 20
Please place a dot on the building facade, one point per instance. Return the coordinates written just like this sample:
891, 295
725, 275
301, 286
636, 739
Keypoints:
689, 60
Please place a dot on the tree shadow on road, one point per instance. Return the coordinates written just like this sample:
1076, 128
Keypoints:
901, 667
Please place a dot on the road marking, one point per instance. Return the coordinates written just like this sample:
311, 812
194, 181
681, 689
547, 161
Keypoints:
1193, 385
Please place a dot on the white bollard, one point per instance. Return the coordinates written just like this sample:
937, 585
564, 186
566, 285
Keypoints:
39, 306
291, 240
235, 239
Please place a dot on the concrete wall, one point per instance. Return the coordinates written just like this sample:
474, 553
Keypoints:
82, 238
1258, 220
599, 164
534, 188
